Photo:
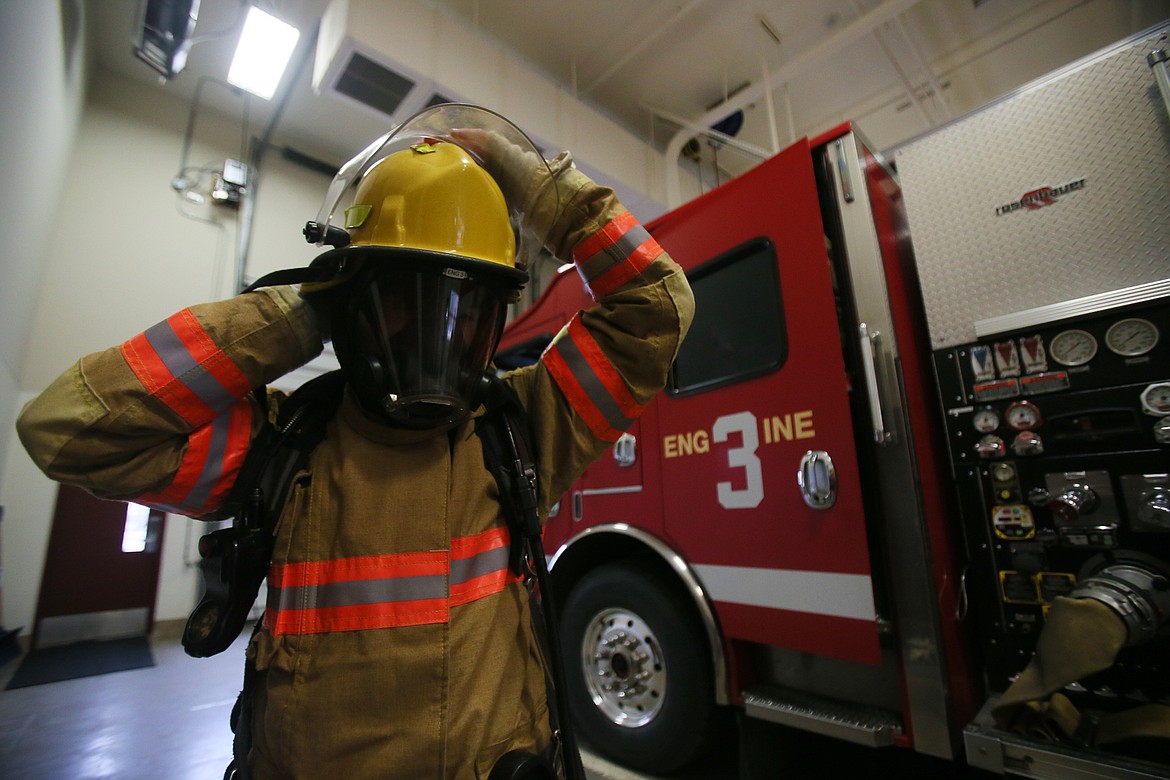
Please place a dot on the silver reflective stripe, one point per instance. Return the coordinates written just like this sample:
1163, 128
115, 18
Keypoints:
592, 267
177, 358
358, 592
213, 466
478, 565
592, 384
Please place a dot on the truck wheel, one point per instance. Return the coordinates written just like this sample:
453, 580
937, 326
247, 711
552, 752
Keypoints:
638, 677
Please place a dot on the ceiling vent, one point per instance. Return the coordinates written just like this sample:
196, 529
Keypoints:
350, 68
372, 84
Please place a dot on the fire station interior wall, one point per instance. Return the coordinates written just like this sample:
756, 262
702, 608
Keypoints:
42, 85
123, 252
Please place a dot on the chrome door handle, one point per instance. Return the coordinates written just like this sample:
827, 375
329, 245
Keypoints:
869, 342
817, 479
625, 450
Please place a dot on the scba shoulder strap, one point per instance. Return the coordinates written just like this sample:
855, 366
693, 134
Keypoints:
510, 456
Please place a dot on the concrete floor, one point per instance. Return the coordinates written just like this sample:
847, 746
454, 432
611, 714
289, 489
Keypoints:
170, 722
166, 722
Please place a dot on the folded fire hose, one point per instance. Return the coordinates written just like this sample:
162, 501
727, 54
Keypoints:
1083, 634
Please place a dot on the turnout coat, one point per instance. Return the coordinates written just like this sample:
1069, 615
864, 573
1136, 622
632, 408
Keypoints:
396, 642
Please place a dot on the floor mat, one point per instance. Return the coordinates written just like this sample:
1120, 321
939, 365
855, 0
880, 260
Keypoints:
82, 659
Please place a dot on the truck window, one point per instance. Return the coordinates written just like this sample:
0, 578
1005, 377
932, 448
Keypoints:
738, 331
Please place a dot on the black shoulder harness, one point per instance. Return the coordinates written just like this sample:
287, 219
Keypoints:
234, 561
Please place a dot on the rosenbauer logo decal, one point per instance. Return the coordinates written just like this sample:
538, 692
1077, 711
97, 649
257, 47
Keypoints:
1040, 197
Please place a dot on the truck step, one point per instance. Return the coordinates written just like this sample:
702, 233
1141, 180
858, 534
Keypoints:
851, 722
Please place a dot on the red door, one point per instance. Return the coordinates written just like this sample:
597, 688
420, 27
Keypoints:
760, 487
101, 570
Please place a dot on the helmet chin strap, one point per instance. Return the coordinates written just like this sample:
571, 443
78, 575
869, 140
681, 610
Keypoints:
293, 276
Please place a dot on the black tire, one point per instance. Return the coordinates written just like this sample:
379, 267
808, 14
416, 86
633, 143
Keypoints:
667, 715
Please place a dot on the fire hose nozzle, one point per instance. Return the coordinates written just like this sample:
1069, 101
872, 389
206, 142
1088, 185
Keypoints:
1140, 597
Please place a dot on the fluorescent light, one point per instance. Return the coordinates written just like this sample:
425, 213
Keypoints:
266, 44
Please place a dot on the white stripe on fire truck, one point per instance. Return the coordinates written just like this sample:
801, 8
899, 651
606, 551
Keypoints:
818, 592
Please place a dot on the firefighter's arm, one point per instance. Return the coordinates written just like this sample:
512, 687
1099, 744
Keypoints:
610, 360
165, 418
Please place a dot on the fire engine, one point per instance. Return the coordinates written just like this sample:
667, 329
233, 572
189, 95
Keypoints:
918, 410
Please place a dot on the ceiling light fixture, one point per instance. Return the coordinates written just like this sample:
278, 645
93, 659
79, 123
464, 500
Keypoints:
266, 44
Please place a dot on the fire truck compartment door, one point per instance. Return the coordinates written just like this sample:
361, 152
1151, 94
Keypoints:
760, 478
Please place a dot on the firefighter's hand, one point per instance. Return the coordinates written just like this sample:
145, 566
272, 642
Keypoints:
320, 305
529, 183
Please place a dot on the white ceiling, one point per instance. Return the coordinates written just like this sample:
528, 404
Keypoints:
646, 62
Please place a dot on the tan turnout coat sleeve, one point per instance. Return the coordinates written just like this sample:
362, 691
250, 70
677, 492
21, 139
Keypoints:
133, 421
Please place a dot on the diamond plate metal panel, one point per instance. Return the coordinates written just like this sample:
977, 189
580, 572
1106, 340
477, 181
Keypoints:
1100, 129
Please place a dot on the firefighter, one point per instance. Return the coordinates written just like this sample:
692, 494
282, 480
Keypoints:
396, 641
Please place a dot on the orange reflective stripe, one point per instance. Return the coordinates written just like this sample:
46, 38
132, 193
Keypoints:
176, 361
590, 382
356, 617
209, 466
368, 567
614, 255
387, 591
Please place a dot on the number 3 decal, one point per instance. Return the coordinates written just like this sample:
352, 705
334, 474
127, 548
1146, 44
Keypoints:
743, 456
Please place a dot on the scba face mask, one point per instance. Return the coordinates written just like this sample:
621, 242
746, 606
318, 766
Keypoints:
415, 339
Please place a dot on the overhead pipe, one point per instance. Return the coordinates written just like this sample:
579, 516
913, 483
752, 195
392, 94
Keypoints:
931, 78
849, 34
769, 106
634, 51
911, 91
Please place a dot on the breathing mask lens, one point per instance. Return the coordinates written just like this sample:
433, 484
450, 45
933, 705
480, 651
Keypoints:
419, 339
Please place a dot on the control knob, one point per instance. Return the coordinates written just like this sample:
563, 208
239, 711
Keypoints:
990, 447
1075, 501
1162, 431
1027, 443
1155, 508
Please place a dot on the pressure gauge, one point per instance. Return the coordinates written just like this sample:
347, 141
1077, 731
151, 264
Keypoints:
1156, 398
1023, 416
1131, 337
985, 420
1073, 347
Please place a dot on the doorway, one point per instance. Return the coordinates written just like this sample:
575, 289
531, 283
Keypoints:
101, 570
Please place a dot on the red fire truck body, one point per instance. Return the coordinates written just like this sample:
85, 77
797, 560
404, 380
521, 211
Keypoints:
789, 526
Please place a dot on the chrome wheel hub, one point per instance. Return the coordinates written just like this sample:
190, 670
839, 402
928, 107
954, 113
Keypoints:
624, 670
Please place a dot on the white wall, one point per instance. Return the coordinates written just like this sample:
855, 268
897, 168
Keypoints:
123, 252
42, 77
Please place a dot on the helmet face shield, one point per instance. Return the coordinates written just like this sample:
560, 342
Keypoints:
437, 123
417, 338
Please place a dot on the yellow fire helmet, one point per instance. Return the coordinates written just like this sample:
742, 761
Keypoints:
432, 197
